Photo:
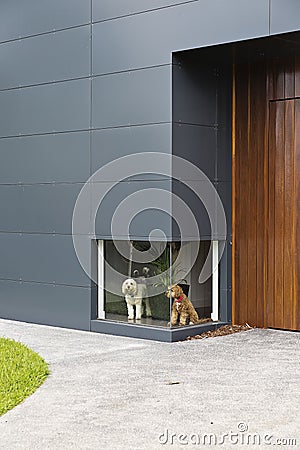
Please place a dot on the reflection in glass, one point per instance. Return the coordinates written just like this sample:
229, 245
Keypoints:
138, 275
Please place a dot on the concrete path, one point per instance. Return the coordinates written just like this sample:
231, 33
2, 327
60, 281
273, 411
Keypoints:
115, 393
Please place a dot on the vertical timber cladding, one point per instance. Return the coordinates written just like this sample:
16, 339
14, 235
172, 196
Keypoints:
266, 194
283, 260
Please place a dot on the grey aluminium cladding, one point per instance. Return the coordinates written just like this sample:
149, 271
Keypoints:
82, 83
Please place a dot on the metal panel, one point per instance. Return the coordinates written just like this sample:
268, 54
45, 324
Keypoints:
50, 57
51, 259
229, 263
224, 270
108, 9
9, 19
10, 207
132, 330
198, 145
196, 209
224, 89
202, 95
224, 190
110, 144
143, 216
148, 39
285, 16
63, 306
194, 94
226, 265
225, 305
10, 256
193, 199
48, 208
152, 333
49, 108
19, 18
45, 159
224, 162
139, 97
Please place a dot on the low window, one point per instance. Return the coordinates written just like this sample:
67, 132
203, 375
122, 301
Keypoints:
162, 284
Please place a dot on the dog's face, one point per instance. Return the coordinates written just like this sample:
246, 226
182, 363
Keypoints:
175, 291
146, 271
129, 287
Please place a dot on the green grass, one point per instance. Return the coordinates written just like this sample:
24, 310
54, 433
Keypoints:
22, 371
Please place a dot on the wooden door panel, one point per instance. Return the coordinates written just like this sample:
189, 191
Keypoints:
266, 194
289, 214
282, 276
296, 206
279, 211
270, 257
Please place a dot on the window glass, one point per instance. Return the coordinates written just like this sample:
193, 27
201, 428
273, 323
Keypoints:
138, 275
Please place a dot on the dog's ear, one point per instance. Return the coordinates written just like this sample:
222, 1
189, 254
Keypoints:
135, 286
177, 290
180, 291
168, 292
124, 287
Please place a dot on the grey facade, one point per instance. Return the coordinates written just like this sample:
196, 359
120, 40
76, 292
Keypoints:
85, 82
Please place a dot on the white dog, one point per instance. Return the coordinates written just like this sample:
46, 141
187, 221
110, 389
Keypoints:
134, 294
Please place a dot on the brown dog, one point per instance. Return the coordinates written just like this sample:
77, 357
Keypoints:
183, 308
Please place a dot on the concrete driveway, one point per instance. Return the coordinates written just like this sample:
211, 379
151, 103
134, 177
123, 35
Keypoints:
107, 392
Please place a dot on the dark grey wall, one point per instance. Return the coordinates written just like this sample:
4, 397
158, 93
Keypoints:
202, 127
81, 83
45, 104
284, 16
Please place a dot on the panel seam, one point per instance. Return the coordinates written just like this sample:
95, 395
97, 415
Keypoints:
137, 13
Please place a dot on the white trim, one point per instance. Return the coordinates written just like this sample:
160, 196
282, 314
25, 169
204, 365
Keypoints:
215, 281
101, 312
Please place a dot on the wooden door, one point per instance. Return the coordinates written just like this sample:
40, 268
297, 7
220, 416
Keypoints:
266, 194
283, 268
